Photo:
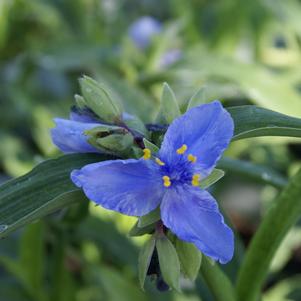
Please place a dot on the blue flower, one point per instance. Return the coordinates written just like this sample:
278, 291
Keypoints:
191, 147
69, 135
143, 29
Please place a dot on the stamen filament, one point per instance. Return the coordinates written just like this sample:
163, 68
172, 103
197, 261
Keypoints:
147, 154
182, 149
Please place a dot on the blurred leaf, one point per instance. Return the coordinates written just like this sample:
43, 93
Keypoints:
190, 258
144, 259
271, 232
252, 121
215, 176
169, 108
44, 190
149, 218
169, 262
250, 170
217, 281
199, 98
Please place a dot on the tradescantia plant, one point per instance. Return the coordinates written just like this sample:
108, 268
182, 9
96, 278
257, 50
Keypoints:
159, 172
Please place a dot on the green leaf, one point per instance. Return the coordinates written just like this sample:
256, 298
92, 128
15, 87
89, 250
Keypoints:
149, 218
252, 121
154, 148
259, 173
218, 282
215, 176
144, 259
99, 101
169, 108
139, 231
199, 98
190, 258
44, 190
169, 262
280, 218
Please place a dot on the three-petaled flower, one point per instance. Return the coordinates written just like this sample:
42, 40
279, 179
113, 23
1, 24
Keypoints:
170, 179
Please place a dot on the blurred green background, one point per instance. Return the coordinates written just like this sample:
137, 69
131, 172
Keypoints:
243, 52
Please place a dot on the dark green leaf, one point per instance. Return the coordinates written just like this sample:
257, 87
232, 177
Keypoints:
139, 231
144, 259
169, 262
45, 189
250, 170
190, 258
278, 221
252, 121
149, 218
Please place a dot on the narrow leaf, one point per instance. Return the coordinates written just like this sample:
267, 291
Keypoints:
199, 98
215, 176
190, 258
169, 262
144, 259
44, 190
252, 121
169, 108
154, 148
278, 221
139, 231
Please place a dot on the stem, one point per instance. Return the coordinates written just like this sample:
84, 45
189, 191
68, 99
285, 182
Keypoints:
280, 218
219, 284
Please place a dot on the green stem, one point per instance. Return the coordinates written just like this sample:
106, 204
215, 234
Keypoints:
281, 217
219, 284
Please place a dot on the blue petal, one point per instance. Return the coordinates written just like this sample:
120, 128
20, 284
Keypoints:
193, 215
131, 187
206, 130
143, 29
69, 136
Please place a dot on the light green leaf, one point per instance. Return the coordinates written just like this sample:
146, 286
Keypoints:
99, 101
44, 190
144, 259
274, 227
199, 98
149, 218
218, 282
139, 231
169, 108
252, 121
215, 176
154, 148
190, 258
169, 262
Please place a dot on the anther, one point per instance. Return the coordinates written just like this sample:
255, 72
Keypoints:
159, 162
196, 180
147, 154
191, 158
166, 181
182, 149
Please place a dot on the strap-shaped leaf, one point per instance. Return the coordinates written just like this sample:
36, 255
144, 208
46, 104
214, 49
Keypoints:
252, 121
45, 189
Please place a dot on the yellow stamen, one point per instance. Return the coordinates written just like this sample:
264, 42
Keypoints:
158, 161
182, 149
192, 158
166, 181
196, 180
147, 154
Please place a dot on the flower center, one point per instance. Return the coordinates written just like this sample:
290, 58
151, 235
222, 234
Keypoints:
181, 172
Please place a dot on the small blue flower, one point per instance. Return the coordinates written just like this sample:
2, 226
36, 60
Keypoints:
191, 147
68, 135
143, 29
